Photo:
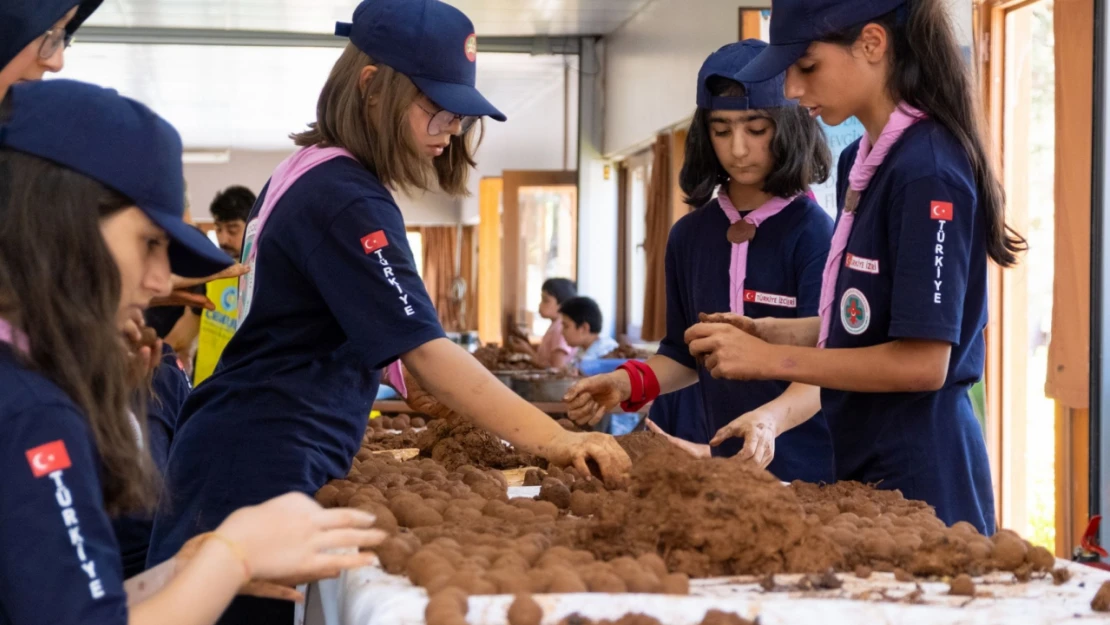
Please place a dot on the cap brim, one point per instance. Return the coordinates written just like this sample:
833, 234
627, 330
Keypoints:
772, 61
459, 99
192, 255
84, 10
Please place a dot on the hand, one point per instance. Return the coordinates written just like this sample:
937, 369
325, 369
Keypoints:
264, 590
740, 322
588, 400
293, 540
694, 449
180, 295
578, 449
142, 342
758, 428
520, 345
729, 353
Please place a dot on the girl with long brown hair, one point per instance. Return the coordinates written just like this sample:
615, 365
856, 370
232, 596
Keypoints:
757, 249
90, 222
899, 339
334, 295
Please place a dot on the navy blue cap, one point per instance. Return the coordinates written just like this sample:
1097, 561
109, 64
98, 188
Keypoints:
120, 143
22, 21
725, 63
430, 42
795, 24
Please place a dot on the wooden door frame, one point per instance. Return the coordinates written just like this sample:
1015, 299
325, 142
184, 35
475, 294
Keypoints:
512, 278
989, 25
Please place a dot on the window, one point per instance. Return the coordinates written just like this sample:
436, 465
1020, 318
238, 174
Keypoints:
637, 259
416, 244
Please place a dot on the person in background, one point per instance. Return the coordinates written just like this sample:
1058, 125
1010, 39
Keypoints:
333, 295
553, 350
899, 339
212, 330
756, 248
98, 176
230, 209
582, 322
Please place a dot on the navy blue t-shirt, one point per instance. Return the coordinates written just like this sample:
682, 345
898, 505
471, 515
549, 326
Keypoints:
59, 560
916, 268
682, 415
337, 297
169, 388
785, 259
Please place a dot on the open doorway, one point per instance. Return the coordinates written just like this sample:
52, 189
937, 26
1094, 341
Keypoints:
1025, 108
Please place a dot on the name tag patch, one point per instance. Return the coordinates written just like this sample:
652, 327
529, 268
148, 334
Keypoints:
858, 263
770, 299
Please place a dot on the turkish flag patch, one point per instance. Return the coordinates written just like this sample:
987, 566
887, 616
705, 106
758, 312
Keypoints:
374, 242
941, 211
48, 458
749, 295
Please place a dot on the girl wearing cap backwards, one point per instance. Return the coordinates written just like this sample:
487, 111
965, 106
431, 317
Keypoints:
334, 295
755, 249
91, 220
899, 339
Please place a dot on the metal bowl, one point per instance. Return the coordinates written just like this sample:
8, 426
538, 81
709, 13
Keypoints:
542, 389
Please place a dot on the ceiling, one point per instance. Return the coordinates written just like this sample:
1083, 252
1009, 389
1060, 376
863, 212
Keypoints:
490, 17
252, 98
244, 97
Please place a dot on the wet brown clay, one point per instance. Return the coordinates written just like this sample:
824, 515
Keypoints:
1101, 602
525, 611
962, 586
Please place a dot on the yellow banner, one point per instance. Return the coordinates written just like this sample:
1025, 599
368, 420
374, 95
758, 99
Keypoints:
216, 327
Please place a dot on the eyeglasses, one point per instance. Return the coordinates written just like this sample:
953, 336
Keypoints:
52, 40
442, 119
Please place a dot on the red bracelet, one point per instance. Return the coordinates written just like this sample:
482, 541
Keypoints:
635, 380
644, 390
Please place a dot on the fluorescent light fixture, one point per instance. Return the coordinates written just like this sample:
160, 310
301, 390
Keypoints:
206, 157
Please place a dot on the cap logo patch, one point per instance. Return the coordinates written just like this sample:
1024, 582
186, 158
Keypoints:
472, 47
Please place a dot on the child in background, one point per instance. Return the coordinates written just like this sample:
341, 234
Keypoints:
581, 320
553, 351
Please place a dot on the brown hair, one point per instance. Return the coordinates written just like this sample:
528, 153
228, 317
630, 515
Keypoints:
372, 124
798, 147
60, 286
929, 73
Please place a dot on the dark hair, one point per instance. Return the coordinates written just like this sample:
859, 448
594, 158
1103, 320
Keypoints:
799, 148
561, 289
60, 286
371, 123
929, 73
233, 204
583, 310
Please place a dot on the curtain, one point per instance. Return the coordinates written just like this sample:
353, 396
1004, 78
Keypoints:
1067, 377
439, 269
469, 271
658, 217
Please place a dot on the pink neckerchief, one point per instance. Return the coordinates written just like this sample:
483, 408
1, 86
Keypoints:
14, 337
738, 267
287, 173
867, 161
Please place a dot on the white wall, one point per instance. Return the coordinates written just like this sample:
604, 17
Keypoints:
597, 197
652, 64
532, 138
253, 168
